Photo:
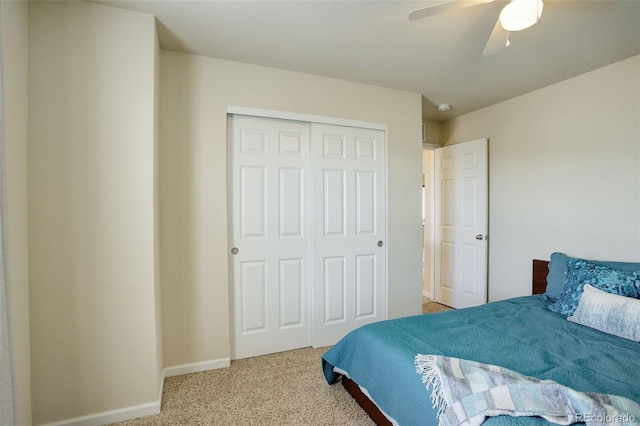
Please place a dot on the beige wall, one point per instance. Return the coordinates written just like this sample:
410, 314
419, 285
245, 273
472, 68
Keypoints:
108, 216
195, 94
433, 132
93, 293
14, 55
564, 173
156, 211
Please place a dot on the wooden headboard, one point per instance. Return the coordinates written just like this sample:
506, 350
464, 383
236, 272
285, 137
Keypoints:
540, 271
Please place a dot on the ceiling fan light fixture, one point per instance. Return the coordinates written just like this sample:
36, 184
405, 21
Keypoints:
521, 14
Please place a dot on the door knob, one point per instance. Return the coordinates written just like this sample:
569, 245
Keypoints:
479, 237
380, 243
234, 251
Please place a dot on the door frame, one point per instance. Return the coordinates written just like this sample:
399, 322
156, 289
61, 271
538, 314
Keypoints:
428, 238
294, 116
310, 118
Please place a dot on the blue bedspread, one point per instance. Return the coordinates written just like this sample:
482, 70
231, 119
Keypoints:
519, 334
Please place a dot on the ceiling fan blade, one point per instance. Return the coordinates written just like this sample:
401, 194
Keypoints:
444, 8
498, 40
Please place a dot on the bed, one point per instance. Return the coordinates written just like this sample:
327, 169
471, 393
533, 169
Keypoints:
376, 362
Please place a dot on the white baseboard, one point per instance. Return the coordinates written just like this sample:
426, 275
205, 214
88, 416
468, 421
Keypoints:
142, 410
119, 415
196, 367
427, 294
113, 416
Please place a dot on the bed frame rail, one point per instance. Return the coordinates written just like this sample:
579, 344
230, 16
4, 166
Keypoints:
364, 402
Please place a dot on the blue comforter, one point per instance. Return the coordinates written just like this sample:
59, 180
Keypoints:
519, 334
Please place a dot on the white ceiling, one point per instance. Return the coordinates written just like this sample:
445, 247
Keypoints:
374, 42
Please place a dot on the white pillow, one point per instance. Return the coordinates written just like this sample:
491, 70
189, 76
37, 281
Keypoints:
610, 313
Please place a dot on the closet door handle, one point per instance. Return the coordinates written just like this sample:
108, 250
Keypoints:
234, 251
380, 243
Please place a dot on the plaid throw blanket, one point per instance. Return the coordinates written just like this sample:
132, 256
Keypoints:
466, 392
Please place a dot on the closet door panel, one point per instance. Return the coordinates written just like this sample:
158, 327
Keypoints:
269, 235
348, 192
307, 232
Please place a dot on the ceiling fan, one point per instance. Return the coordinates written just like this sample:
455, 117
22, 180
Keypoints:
515, 16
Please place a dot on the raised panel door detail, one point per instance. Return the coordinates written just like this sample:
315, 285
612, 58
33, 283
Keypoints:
448, 273
470, 202
334, 289
254, 297
291, 144
365, 149
253, 141
448, 203
334, 202
448, 163
291, 292
469, 160
291, 207
469, 268
365, 285
365, 203
253, 209
334, 147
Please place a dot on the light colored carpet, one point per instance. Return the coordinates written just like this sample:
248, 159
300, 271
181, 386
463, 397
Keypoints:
286, 388
431, 307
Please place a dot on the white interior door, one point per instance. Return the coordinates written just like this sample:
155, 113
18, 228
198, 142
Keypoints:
349, 217
270, 234
461, 193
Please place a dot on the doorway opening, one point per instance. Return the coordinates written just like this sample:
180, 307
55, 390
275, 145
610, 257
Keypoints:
428, 223
431, 140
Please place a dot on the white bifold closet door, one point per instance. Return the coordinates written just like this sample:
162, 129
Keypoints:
307, 225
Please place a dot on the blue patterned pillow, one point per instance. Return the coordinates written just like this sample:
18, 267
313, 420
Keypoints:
558, 266
580, 272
